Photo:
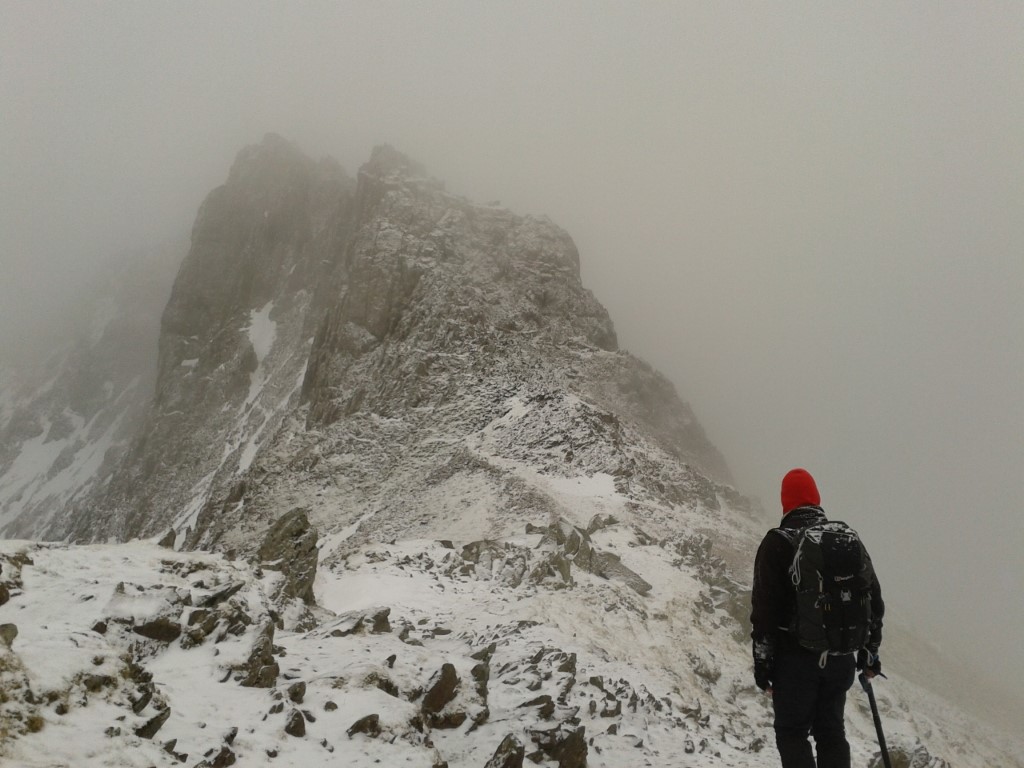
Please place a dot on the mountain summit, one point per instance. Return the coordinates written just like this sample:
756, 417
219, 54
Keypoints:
316, 314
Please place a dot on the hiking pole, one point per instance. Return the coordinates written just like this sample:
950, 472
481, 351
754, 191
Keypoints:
866, 685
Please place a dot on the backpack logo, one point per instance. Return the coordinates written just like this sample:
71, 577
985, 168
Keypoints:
831, 574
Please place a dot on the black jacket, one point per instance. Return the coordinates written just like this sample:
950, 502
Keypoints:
773, 599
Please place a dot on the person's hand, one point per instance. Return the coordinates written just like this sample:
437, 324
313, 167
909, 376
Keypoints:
764, 662
869, 663
763, 674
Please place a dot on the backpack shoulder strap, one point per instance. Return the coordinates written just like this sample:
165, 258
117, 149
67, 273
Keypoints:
789, 534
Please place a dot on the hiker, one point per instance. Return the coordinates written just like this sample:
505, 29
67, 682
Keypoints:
808, 666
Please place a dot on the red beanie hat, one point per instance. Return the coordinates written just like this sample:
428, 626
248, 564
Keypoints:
798, 490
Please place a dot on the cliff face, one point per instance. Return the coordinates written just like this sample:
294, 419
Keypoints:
314, 313
234, 336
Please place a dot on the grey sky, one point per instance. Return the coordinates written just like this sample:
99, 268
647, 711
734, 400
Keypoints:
809, 216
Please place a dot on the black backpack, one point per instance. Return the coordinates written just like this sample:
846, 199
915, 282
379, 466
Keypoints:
832, 574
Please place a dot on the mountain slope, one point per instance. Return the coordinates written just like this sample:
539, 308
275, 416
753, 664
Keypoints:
523, 535
419, 653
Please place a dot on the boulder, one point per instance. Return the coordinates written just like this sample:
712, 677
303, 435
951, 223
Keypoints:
7, 634
296, 692
260, 670
222, 759
441, 689
369, 725
565, 743
296, 725
373, 620
162, 629
150, 728
545, 705
290, 547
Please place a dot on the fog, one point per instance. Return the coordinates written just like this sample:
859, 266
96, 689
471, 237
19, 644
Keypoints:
810, 217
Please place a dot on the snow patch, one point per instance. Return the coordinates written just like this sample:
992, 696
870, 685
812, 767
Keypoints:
262, 331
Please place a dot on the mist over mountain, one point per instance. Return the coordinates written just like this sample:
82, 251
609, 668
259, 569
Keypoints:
379, 418
75, 386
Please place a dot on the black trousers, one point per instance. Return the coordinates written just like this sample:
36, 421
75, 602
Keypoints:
810, 700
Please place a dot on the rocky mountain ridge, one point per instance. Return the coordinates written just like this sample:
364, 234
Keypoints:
313, 310
399, 466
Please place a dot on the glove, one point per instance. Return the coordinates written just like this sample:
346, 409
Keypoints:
764, 663
763, 674
869, 661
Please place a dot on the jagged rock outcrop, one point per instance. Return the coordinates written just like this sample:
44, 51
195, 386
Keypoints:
233, 339
290, 547
509, 754
340, 344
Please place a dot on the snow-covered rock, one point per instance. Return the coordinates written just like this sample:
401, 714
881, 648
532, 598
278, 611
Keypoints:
419, 653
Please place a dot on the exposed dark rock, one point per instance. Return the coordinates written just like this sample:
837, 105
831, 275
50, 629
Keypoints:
94, 683
162, 629
446, 720
599, 522
545, 704
509, 754
553, 569
142, 701
441, 689
481, 675
485, 653
369, 726
260, 670
564, 743
290, 547
8, 632
221, 759
150, 728
612, 708
384, 683
296, 691
296, 724
221, 594
372, 620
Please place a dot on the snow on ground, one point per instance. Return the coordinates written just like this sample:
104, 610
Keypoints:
200, 493
262, 331
56, 468
252, 444
655, 679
